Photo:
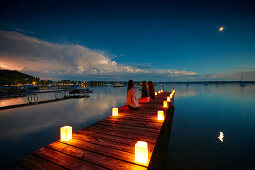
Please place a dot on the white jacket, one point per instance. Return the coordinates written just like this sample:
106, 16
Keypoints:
132, 98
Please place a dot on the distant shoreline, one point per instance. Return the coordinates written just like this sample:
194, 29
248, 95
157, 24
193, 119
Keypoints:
212, 82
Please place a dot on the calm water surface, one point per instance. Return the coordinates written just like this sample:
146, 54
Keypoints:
26, 129
201, 112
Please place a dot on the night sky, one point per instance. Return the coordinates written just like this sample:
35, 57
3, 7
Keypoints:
152, 40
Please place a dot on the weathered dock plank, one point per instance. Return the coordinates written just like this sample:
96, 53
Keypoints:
107, 144
34, 162
125, 130
128, 127
93, 157
63, 159
119, 139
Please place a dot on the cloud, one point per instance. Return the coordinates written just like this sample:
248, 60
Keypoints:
45, 59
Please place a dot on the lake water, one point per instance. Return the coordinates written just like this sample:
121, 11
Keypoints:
201, 113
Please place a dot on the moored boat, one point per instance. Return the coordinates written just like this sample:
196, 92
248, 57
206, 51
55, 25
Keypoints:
117, 85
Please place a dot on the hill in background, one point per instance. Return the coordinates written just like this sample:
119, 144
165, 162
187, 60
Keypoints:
8, 77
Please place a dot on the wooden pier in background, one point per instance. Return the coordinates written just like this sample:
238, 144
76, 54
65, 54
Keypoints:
109, 143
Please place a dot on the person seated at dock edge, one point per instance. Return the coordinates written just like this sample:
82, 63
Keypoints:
151, 89
144, 90
132, 96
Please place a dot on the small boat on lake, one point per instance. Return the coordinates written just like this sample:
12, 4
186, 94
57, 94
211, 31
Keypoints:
117, 84
242, 84
80, 91
76, 89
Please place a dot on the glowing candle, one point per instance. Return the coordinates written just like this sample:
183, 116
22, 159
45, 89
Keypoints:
161, 91
165, 104
158, 92
168, 99
141, 152
161, 115
171, 95
66, 133
114, 111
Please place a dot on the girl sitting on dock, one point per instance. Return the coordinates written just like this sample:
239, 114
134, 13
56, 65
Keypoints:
132, 96
144, 90
151, 89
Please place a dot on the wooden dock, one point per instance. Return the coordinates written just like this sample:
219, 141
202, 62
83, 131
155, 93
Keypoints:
109, 143
41, 102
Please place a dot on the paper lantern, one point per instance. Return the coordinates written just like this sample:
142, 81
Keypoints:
66, 133
114, 111
141, 152
168, 99
165, 104
156, 93
161, 115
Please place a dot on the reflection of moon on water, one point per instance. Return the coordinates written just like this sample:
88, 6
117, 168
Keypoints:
221, 136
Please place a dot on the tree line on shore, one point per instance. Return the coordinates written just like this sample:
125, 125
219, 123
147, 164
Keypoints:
16, 78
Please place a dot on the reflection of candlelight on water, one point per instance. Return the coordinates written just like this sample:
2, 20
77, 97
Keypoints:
221, 136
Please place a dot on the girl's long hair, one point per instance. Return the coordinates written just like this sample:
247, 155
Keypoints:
130, 84
151, 89
144, 89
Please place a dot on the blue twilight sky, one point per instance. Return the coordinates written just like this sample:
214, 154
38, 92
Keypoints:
157, 40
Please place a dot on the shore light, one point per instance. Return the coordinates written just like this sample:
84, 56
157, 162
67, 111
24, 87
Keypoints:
168, 99
141, 152
156, 93
161, 115
114, 111
66, 133
165, 104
